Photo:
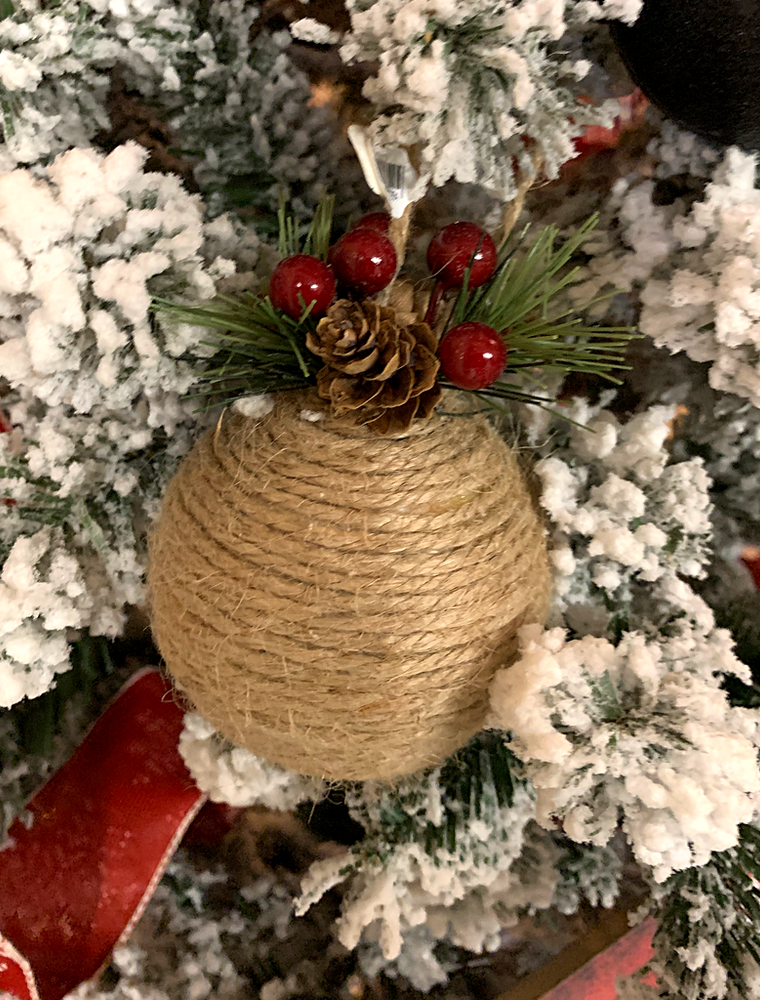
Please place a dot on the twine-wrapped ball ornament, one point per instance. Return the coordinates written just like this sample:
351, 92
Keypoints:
338, 602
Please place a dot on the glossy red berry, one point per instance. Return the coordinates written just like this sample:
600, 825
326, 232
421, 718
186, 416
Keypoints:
380, 221
299, 280
364, 261
455, 248
472, 355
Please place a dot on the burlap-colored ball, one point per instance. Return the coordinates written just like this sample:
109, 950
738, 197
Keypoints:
337, 602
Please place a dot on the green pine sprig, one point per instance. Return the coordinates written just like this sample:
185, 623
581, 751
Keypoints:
261, 349
719, 904
518, 302
482, 770
42, 505
316, 240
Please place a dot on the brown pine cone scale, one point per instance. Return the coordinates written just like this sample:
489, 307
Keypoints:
381, 368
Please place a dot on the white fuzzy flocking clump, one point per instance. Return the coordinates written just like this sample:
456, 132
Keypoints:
726, 430
627, 719
706, 299
640, 729
97, 385
621, 512
233, 775
196, 938
465, 84
243, 110
407, 897
697, 263
55, 62
234, 104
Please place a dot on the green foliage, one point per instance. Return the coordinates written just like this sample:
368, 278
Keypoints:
41, 504
735, 602
185, 890
262, 349
741, 616
469, 33
39, 720
486, 762
316, 240
480, 776
713, 907
605, 697
518, 303
482, 769
586, 874
247, 194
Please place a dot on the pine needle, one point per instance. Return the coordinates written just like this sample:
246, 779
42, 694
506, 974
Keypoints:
317, 238
518, 303
261, 349
482, 771
43, 505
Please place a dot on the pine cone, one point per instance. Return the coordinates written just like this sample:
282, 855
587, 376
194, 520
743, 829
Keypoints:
380, 368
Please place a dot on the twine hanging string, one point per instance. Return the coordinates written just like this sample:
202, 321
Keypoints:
399, 230
512, 209
398, 233
338, 603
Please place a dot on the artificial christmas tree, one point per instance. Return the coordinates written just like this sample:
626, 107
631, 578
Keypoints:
600, 741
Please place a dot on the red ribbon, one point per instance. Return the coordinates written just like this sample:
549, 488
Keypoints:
597, 979
104, 827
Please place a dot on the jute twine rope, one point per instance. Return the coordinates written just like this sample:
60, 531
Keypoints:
338, 603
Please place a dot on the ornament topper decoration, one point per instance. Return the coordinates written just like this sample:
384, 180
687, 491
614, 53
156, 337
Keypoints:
385, 352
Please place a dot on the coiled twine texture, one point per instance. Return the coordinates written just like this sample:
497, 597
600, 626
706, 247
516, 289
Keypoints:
338, 603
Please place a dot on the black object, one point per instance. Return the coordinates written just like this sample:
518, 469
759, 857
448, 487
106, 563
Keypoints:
699, 62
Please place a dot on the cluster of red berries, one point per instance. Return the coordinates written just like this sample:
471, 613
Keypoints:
364, 261
472, 355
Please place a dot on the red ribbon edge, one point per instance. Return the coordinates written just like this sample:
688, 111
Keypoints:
158, 874
16, 976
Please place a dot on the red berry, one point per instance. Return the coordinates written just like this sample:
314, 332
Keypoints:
472, 355
455, 248
379, 221
364, 261
300, 280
